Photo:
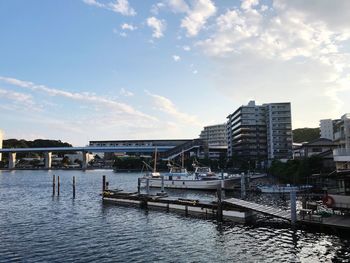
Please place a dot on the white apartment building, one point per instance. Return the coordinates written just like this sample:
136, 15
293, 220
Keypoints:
341, 137
327, 129
214, 135
260, 132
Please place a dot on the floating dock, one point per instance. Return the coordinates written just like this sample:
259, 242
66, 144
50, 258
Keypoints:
193, 207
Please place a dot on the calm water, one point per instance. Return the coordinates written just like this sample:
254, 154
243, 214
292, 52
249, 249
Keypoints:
35, 227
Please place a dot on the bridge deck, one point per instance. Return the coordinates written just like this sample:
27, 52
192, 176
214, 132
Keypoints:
267, 210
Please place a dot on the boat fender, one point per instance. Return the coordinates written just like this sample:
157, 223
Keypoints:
328, 201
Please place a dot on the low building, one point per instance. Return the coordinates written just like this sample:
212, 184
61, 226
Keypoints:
314, 147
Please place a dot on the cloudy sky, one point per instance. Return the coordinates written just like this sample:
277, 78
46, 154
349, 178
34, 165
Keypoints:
80, 70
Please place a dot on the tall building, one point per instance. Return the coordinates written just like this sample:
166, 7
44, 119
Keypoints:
215, 137
260, 132
326, 129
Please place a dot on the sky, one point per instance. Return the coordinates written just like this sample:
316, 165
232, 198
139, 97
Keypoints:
80, 70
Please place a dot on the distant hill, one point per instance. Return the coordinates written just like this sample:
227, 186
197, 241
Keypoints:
306, 134
39, 143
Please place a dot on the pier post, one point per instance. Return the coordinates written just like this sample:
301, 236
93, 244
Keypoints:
58, 185
147, 186
219, 209
162, 188
243, 190
293, 207
84, 164
103, 183
53, 185
138, 185
73, 187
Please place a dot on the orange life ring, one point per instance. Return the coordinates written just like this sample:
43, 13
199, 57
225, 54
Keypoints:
328, 201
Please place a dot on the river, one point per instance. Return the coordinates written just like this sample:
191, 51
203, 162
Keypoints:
36, 227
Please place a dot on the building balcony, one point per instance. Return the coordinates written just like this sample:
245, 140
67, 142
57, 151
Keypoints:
341, 155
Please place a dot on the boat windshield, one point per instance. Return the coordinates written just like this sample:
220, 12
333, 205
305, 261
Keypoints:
203, 170
177, 170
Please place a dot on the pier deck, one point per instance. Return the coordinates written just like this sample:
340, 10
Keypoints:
267, 210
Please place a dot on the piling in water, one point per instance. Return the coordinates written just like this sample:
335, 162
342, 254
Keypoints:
53, 185
73, 187
103, 183
219, 210
58, 185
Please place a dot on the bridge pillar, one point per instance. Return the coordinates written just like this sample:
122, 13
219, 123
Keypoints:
48, 160
12, 160
85, 160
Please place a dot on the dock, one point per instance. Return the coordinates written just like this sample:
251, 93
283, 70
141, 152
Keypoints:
230, 209
194, 207
263, 209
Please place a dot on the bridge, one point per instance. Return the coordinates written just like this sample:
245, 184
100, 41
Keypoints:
85, 150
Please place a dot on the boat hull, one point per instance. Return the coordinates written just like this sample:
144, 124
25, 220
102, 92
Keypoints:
192, 184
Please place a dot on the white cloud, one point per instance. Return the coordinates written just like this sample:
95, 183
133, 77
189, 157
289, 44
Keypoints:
178, 6
176, 58
123, 7
15, 99
186, 48
126, 26
295, 52
167, 106
119, 6
126, 93
93, 2
197, 16
157, 25
117, 107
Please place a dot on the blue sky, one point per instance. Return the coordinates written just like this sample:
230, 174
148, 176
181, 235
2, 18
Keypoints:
80, 70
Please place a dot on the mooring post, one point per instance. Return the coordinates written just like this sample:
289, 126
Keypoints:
147, 186
243, 192
103, 183
219, 210
138, 185
73, 187
293, 207
58, 185
162, 188
53, 185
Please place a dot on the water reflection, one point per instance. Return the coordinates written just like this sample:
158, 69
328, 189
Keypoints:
36, 227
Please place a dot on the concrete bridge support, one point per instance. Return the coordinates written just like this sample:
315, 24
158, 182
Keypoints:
48, 160
12, 160
85, 160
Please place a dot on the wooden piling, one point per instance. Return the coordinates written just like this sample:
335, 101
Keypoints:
58, 185
219, 209
103, 183
53, 185
138, 185
73, 187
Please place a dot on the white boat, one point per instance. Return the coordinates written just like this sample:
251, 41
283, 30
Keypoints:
179, 178
283, 188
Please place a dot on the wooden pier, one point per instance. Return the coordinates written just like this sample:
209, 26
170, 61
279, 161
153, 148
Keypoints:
263, 209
